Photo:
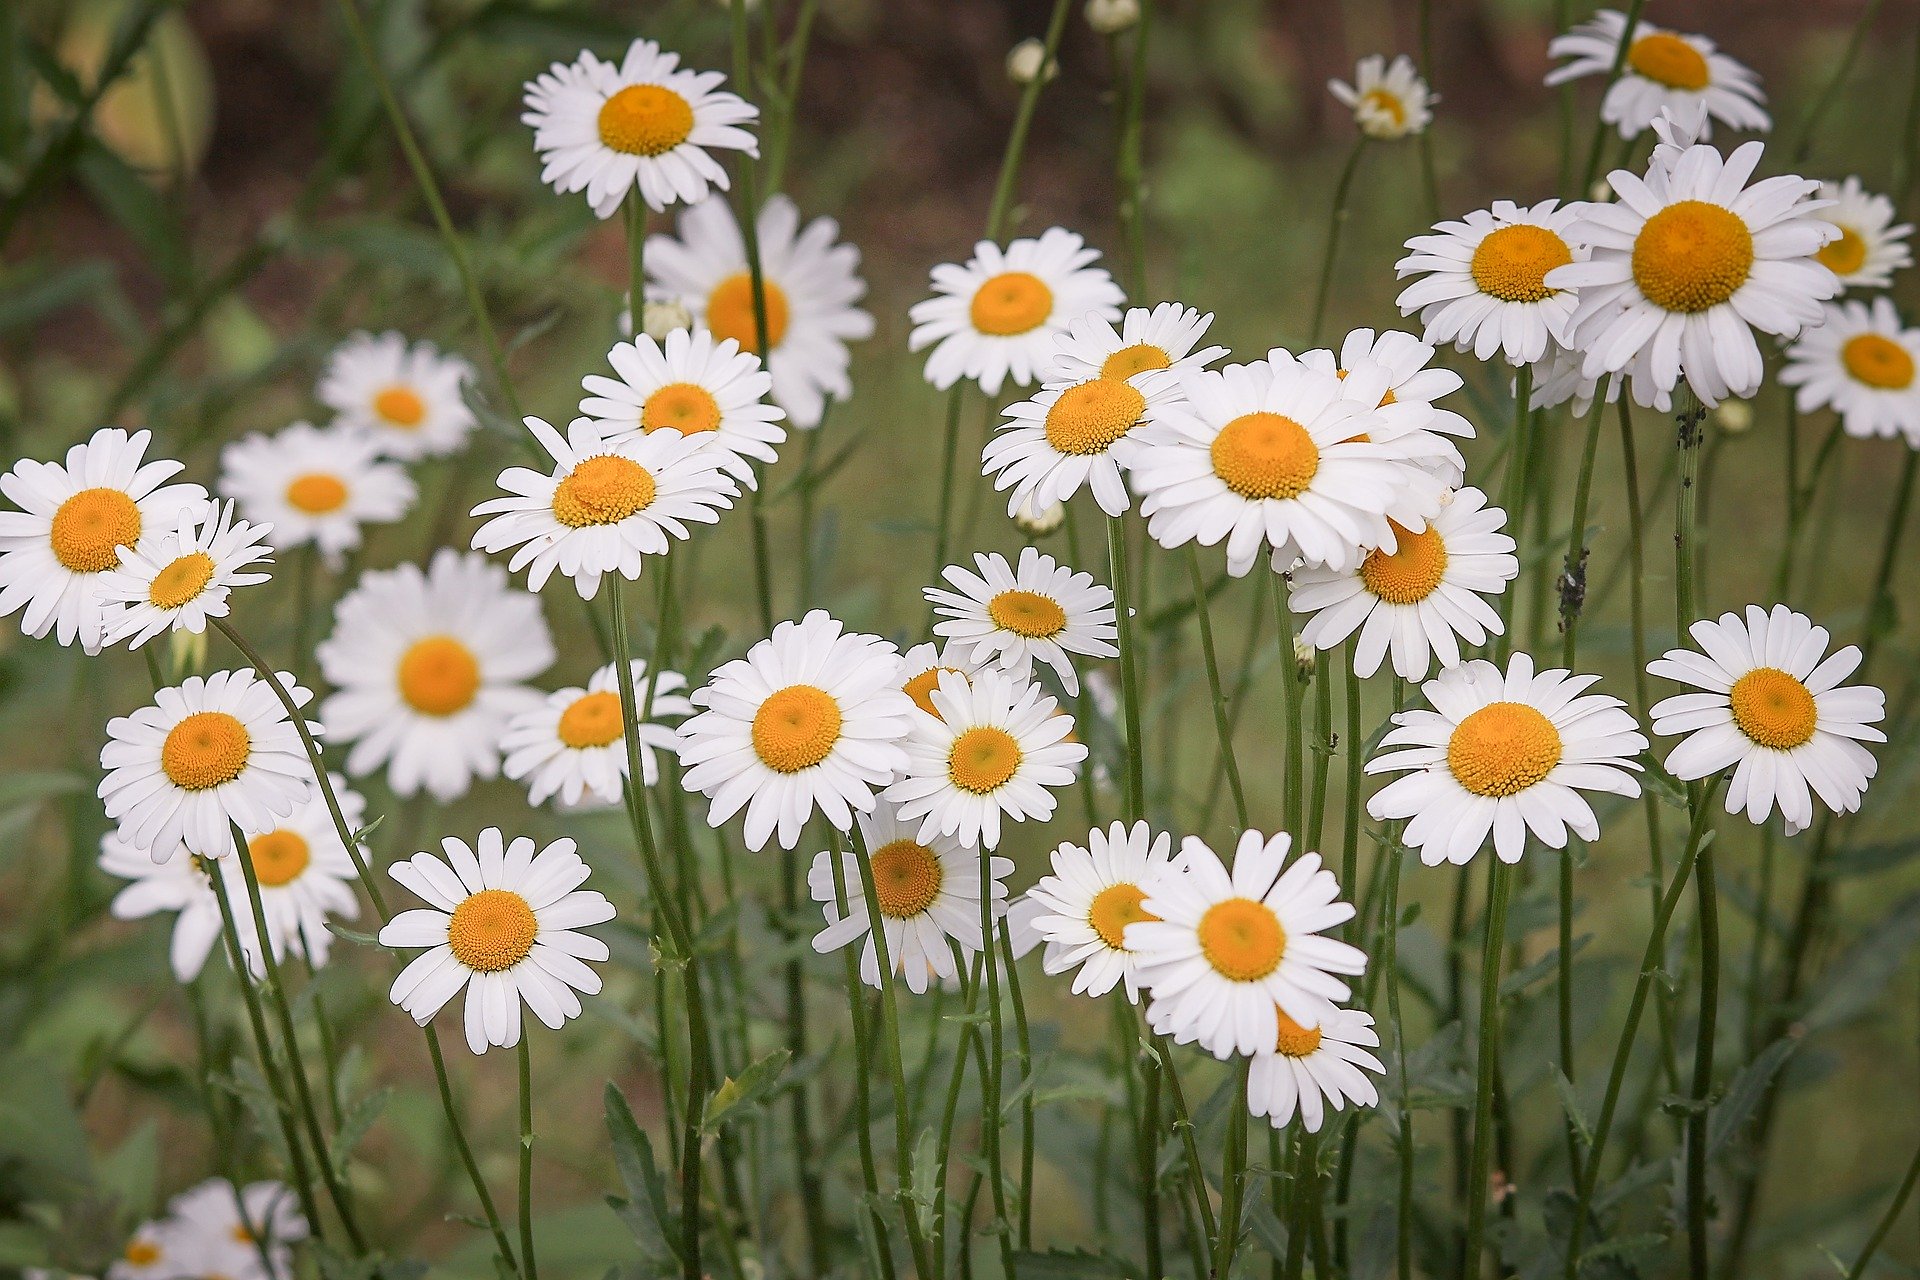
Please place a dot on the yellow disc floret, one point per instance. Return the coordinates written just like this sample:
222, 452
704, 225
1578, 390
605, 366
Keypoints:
796, 728
730, 311
686, 407
279, 857
1011, 303
906, 878
1845, 255
439, 676
1088, 418
982, 759
1265, 455
1502, 749
1295, 1041
181, 581
1878, 362
920, 688
1773, 709
90, 528
1691, 256
592, 720
602, 490
205, 750
1665, 58
1027, 613
1242, 939
1412, 572
316, 493
492, 930
645, 120
1138, 358
1113, 909
1511, 264
400, 407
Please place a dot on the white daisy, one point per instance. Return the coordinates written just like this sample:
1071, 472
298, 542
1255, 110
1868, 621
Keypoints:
1067, 437
313, 485
149, 1254
711, 391
811, 717
1860, 363
574, 744
1161, 339
1483, 280
178, 885
1412, 378
1388, 100
1043, 611
430, 667
607, 506
1229, 952
810, 282
1309, 1063
920, 669
504, 923
640, 124
1002, 313
1094, 892
1870, 248
177, 580
1504, 754
218, 1231
406, 396
74, 522
1663, 70
1560, 379
1774, 711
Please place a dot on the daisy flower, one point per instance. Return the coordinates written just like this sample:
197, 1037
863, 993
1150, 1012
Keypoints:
178, 885
405, 396
1504, 754
1663, 70
220, 1230
178, 580
811, 718
149, 1254
574, 744
1774, 711
1160, 340
1228, 952
75, 521
995, 744
1870, 248
921, 666
1560, 378
1860, 363
810, 281
1042, 611
607, 506
502, 922
315, 486
1388, 100
1001, 314
1306, 1064
1074, 436
640, 124
1483, 280
709, 390
430, 667
1412, 378
1094, 892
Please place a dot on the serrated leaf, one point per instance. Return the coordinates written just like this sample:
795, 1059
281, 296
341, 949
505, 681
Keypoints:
1744, 1093
644, 1210
1570, 1103
737, 1096
354, 1124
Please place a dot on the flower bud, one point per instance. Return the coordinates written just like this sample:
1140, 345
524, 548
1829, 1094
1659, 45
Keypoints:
1038, 523
1028, 61
1110, 17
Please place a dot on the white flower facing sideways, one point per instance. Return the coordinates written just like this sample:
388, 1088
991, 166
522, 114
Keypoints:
574, 745
179, 579
1483, 280
1227, 952
1772, 709
710, 391
1308, 1068
315, 486
1662, 70
1870, 247
1093, 893
1861, 364
429, 668
1504, 754
809, 279
212, 1230
641, 124
1412, 379
1163, 339
920, 669
1071, 437
810, 719
405, 396
1389, 100
1000, 314
1041, 611
76, 518
502, 922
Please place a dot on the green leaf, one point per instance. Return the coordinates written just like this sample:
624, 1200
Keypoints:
354, 1125
339, 930
131, 1175
1854, 984
250, 1087
644, 1210
740, 1095
1570, 1102
1663, 785
1744, 1093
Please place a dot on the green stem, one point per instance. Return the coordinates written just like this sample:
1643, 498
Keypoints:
1023, 1043
1202, 613
1022, 123
1336, 223
1810, 126
1129, 171
1146, 1140
863, 1091
1233, 1175
1573, 581
1294, 783
991, 1120
1499, 892
503, 1248
1892, 1215
1698, 1259
1135, 771
1403, 1139
527, 1266
1515, 499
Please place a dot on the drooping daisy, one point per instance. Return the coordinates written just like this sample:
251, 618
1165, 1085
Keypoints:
810, 718
504, 923
1389, 100
430, 667
711, 391
1504, 754
920, 669
640, 124
1228, 952
1071, 436
1483, 280
996, 744
1161, 339
1043, 611
1001, 314
574, 744
1860, 363
1419, 600
406, 396
218, 1230
1773, 709
1870, 248
1663, 70
810, 282
606, 507
1094, 892
1309, 1066
179, 579
314, 485
76, 519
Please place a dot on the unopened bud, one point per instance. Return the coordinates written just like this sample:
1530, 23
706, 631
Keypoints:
1304, 657
1028, 61
1734, 416
189, 651
1041, 521
1110, 17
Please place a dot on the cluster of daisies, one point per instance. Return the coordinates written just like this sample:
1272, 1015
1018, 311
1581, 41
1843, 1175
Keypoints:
215, 1228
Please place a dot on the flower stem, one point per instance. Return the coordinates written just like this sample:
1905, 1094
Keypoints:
1023, 1043
1892, 1215
863, 1092
1336, 223
527, 1267
1499, 892
1515, 498
1403, 1139
1294, 786
1233, 1175
1222, 727
1022, 123
1135, 772
991, 1071
503, 1248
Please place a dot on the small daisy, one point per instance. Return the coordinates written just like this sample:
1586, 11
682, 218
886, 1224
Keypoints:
1002, 314
928, 892
1162, 339
75, 522
149, 1254
606, 507
504, 923
216, 1230
811, 718
996, 744
1093, 894
1306, 1064
1504, 754
1860, 363
810, 282
1041, 611
711, 391
1774, 711
406, 396
574, 744
1228, 952
178, 580
1388, 100
1870, 248
921, 666
430, 667
313, 485
1419, 600
1483, 280
1663, 70
640, 124
1067, 437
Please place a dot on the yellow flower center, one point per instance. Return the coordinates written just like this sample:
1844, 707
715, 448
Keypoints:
1845, 255
1665, 58
1114, 908
205, 750
1265, 455
181, 581
1387, 104
492, 930
1773, 708
241, 1235
90, 528
1878, 362
278, 858
592, 720
1502, 749
796, 728
1294, 1040
400, 406
686, 407
1010, 303
439, 676
1027, 613
645, 120
1691, 256
1138, 358
317, 493
1412, 572
1088, 418
602, 490
1511, 264
921, 688
730, 311
1242, 939
141, 1253
982, 759
906, 878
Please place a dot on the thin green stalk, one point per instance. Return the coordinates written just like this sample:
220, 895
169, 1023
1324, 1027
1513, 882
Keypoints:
1698, 1253
991, 1120
1183, 1121
1023, 122
1233, 1176
1336, 224
1323, 749
1573, 580
863, 1091
1356, 784
1135, 771
1294, 783
1515, 499
1129, 171
1429, 177
1810, 126
1892, 1215
1403, 1139
949, 464
1023, 1044
1145, 1142
1221, 726
503, 1248
1499, 893
527, 1267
